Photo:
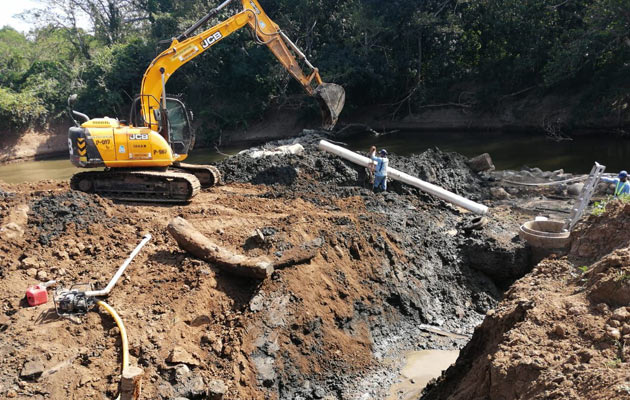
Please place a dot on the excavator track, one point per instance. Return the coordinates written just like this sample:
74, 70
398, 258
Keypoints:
208, 175
138, 185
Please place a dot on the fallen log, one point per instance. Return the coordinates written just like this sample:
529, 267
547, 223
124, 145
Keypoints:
194, 242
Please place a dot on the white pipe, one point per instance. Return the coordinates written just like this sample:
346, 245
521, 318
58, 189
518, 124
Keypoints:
116, 277
405, 178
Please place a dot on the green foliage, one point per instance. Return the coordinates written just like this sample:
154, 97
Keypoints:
599, 208
622, 277
113, 77
583, 268
403, 53
20, 110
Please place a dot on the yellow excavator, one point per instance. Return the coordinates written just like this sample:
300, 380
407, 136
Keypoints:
143, 160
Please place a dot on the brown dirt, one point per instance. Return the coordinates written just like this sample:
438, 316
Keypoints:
33, 144
169, 299
560, 332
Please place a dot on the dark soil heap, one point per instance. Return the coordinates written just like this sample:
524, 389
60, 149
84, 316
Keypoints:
56, 213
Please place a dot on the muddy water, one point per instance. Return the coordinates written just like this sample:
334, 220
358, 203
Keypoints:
509, 151
33, 171
420, 368
60, 168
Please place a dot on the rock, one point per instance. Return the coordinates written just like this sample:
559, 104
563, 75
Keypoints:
625, 329
614, 323
216, 389
85, 379
575, 189
265, 369
560, 331
214, 341
586, 355
11, 231
557, 172
74, 253
195, 387
620, 314
499, 193
482, 162
42, 276
61, 254
602, 308
32, 272
32, 369
613, 333
180, 356
201, 320
11, 394
29, 262
182, 372
257, 303
318, 392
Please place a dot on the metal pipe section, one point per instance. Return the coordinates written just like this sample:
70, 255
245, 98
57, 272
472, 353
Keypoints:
405, 178
121, 270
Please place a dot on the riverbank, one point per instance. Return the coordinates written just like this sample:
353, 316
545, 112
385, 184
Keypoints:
34, 144
555, 118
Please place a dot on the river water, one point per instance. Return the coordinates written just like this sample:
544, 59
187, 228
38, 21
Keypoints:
508, 151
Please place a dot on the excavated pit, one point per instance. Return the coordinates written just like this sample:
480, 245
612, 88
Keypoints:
395, 272
427, 267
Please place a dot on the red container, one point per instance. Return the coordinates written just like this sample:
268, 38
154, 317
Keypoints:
36, 295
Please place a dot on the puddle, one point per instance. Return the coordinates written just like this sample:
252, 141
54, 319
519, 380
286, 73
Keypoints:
419, 369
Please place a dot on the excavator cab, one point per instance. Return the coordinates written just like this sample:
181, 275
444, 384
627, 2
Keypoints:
174, 123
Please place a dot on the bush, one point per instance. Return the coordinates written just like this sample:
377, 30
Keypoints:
19, 111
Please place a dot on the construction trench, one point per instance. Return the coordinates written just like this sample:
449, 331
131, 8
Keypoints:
359, 281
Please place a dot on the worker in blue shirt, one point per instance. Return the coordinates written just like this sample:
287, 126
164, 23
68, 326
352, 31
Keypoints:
380, 171
622, 186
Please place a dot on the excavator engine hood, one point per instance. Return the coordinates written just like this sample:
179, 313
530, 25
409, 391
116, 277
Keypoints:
331, 98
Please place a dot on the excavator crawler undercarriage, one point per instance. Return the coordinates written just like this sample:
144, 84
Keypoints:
138, 185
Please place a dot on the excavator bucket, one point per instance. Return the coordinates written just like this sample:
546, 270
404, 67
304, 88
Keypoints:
331, 98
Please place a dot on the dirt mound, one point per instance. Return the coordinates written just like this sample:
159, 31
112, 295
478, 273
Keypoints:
56, 213
609, 280
560, 333
448, 170
600, 234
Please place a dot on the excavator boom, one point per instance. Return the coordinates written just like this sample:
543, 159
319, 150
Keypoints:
331, 97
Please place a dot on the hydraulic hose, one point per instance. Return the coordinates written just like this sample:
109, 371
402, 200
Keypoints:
123, 334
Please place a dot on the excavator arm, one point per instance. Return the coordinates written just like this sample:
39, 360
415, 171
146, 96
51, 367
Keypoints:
331, 97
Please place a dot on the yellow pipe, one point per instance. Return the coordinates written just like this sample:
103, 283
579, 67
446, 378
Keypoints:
123, 334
